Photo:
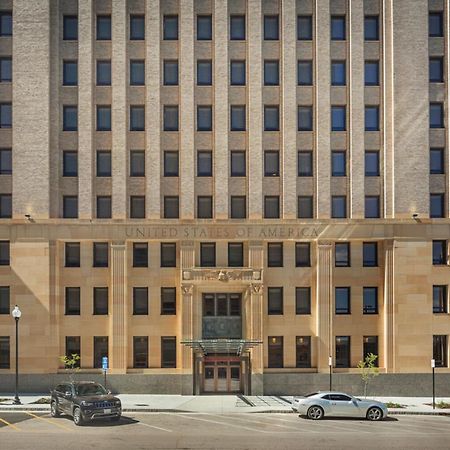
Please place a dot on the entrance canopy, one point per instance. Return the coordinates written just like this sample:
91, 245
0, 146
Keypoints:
206, 346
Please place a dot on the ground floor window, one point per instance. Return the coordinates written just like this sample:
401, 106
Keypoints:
140, 351
168, 351
275, 351
370, 345
303, 351
100, 350
440, 350
73, 347
4, 352
342, 351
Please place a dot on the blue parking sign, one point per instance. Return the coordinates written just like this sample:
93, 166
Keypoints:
104, 362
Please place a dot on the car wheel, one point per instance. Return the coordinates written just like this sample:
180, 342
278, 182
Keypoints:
315, 413
77, 417
374, 414
54, 410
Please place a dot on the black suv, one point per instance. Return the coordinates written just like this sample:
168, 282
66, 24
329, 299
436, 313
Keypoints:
84, 401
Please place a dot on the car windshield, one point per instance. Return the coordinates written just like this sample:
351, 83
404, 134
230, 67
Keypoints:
311, 394
91, 389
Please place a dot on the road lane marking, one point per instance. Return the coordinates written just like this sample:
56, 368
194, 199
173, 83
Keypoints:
63, 427
154, 426
264, 423
9, 424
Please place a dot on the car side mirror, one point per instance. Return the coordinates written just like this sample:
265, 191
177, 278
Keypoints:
68, 394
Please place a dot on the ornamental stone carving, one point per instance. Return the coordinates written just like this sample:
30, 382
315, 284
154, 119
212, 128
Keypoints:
187, 289
256, 288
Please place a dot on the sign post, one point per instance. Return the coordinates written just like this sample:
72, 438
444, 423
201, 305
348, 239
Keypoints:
105, 366
433, 365
330, 365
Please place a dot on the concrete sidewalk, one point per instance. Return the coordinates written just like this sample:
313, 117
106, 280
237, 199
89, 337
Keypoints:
221, 404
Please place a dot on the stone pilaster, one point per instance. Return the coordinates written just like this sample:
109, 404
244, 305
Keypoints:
389, 308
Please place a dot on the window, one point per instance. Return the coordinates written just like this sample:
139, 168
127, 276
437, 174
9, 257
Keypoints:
70, 72
437, 206
171, 207
238, 163
103, 73
72, 254
204, 163
370, 254
204, 118
235, 254
204, 28
305, 118
103, 28
436, 71
370, 300
440, 299
137, 207
342, 351
70, 27
207, 254
338, 206
137, 163
435, 24
168, 301
271, 73
104, 207
137, 28
305, 207
73, 347
342, 300
271, 118
303, 351
72, 301
271, 207
304, 28
342, 254
103, 118
338, 28
440, 350
271, 163
103, 163
170, 118
204, 207
305, 164
170, 72
100, 350
304, 73
371, 118
140, 254
372, 206
170, 164
274, 254
370, 346
436, 115
137, 118
271, 28
436, 160
170, 28
5, 206
140, 352
140, 301
4, 253
168, 254
5, 161
275, 351
204, 72
237, 119
275, 300
4, 299
237, 28
70, 207
439, 252
168, 351
100, 300
302, 254
216, 305
302, 300
371, 28
137, 73
70, 164
338, 164
101, 251
338, 74
372, 163
70, 118
237, 73
238, 207
4, 352
372, 73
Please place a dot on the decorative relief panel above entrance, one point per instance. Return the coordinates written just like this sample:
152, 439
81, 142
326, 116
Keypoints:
223, 275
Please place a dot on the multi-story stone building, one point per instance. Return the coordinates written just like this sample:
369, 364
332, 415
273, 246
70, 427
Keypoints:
220, 195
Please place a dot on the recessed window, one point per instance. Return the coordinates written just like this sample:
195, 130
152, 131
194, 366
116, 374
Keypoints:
271, 207
440, 350
103, 163
275, 300
204, 118
440, 299
436, 72
140, 301
103, 28
305, 207
70, 117
304, 28
207, 254
338, 73
103, 118
338, 118
70, 27
140, 352
170, 163
271, 163
271, 118
371, 28
137, 118
140, 254
73, 347
70, 72
303, 351
70, 164
204, 28
370, 346
72, 301
170, 72
137, 163
372, 118
338, 206
204, 163
238, 163
342, 254
304, 73
439, 252
5, 161
137, 207
237, 28
170, 28
271, 73
370, 300
5, 70
437, 161
338, 164
4, 300
72, 254
305, 164
204, 72
372, 207
168, 301
137, 27
271, 28
137, 73
372, 73
204, 207
237, 119
342, 300
235, 254
370, 254
70, 207
100, 254
100, 350
437, 207
274, 254
338, 28
302, 300
4, 253
171, 207
170, 117
237, 73
238, 207
104, 207
302, 254
5, 206
372, 163
275, 352
103, 73
168, 254
168, 352
305, 118
436, 115
435, 24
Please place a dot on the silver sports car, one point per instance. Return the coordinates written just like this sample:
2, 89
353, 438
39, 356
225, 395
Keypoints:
320, 404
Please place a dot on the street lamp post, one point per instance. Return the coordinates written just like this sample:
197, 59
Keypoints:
330, 365
16, 313
433, 365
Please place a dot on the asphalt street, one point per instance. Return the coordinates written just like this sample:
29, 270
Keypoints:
27, 430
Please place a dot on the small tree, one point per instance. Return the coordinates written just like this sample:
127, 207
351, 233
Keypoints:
368, 370
71, 364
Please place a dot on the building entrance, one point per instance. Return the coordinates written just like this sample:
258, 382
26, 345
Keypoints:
222, 375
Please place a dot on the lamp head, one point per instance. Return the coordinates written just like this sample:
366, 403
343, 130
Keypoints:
16, 312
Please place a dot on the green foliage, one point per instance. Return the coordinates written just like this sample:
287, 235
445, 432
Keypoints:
368, 370
70, 363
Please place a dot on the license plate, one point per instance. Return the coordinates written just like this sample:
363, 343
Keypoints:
107, 411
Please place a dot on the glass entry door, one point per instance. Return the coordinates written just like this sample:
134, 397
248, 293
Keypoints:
222, 376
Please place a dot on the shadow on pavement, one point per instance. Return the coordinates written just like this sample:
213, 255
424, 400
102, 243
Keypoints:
102, 423
352, 419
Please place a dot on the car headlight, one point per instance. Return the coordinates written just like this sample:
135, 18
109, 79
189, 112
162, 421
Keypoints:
118, 403
84, 403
